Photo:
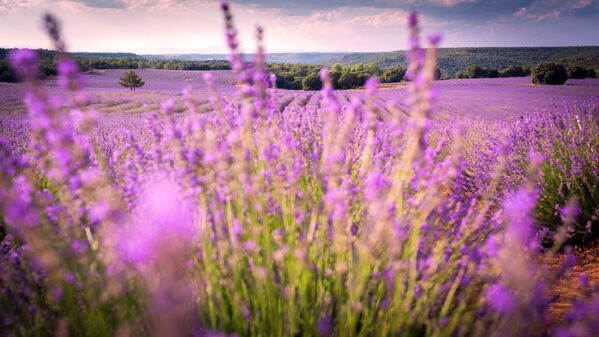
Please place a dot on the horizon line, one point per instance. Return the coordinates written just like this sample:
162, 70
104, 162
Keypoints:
295, 52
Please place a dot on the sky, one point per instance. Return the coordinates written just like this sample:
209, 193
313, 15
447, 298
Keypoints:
196, 26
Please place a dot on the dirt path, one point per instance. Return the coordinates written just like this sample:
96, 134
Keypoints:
587, 261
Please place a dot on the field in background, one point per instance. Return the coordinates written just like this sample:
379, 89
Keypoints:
500, 98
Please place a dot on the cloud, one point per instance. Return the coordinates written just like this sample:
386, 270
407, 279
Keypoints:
102, 3
451, 3
12, 5
583, 3
541, 10
91, 5
384, 19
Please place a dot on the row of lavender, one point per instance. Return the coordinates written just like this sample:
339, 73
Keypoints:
342, 219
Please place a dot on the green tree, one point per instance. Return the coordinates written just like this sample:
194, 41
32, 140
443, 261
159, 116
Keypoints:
577, 72
336, 68
513, 71
461, 74
131, 80
549, 73
6, 73
475, 72
312, 82
492, 73
348, 80
393, 75
437, 73
335, 75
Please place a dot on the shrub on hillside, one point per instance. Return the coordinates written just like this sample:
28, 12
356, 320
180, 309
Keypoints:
311, 82
6, 73
393, 75
370, 68
335, 75
475, 71
348, 80
577, 72
549, 73
438, 74
513, 71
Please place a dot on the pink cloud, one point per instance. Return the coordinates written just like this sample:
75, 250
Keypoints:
384, 19
11, 5
550, 9
583, 3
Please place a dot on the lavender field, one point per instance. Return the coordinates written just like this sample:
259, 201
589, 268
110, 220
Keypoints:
211, 203
501, 98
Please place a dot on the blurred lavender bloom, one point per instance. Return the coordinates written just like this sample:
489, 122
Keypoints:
25, 63
500, 298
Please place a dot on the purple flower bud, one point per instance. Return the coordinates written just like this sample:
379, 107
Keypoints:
57, 293
435, 39
372, 85
67, 72
583, 279
224, 6
500, 298
324, 74
325, 326
237, 229
25, 63
69, 278
413, 19
167, 107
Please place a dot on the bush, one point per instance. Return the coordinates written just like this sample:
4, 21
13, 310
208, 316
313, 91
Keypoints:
393, 75
513, 71
362, 78
577, 72
312, 82
437, 73
592, 73
477, 72
335, 75
352, 80
549, 73
6, 73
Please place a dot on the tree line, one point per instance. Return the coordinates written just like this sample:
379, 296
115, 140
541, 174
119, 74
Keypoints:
454, 60
295, 76
306, 77
571, 71
89, 61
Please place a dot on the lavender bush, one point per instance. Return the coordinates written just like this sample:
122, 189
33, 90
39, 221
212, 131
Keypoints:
344, 219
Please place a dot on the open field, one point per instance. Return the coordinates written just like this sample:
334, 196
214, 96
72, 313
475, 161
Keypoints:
502, 98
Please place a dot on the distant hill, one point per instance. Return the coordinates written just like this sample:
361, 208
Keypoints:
303, 58
45, 54
452, 60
